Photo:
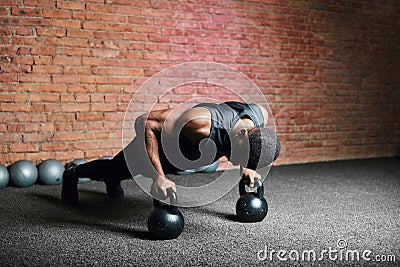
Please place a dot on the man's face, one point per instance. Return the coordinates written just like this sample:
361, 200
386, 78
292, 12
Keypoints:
240, 146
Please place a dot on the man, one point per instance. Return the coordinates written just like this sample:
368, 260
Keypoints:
170, 140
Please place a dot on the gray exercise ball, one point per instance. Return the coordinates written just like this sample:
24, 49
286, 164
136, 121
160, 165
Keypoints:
4, 176
23, 173
106, 157
50, 172
79, 161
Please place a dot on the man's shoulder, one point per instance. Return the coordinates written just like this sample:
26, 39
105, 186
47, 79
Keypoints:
196, 122
196, 112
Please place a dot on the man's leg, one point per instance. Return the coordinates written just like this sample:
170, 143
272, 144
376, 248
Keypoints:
69, 191
110, 171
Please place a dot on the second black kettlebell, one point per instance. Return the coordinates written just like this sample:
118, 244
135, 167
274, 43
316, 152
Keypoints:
165, 221
251, 206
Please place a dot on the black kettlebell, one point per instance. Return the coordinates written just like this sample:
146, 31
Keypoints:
251, 206
165, 221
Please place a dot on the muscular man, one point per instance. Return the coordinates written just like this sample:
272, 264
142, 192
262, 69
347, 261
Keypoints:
170, 140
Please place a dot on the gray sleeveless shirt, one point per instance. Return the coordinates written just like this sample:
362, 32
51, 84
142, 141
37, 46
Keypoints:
224, 116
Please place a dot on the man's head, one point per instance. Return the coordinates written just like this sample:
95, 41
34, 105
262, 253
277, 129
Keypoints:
262, 146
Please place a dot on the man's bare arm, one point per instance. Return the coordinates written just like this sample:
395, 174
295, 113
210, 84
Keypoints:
149, 128
249, 173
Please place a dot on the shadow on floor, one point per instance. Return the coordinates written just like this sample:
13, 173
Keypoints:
122, 216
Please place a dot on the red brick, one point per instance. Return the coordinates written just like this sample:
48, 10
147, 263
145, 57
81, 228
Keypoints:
15, 127
51, 87
108, 35
50, 32
24, 147
93, 79
85, 145
70, 5
92, 126
39, 3
90, 117
119, 2
69, 107
117, 71
3, 149
61, 117
81, 88
102, 8
97, 98
79, 98
62, 127
24, 40
46, 69
29, 12
67, 98
64, 23
80, 33
73, 42
111, 98
56, 146
6, 31
135, 36
23, 31
65, 79
8, 77
69, 155
139, 20
90, 61
95, 107
72, 61
120, 80
47, 127
127, 10
94, 25
20, 97
9, 3
110, 125
4, 97
59, 136
34, 137
129, 55
44, 97
42, 51
106, 53
105, 17
59, 14
80, 126
114, 116
34, 78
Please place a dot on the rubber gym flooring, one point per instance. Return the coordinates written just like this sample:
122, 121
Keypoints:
313, 208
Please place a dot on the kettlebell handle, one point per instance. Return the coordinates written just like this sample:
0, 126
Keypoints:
257, 182
173, 199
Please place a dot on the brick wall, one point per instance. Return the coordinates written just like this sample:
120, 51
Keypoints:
329, 69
